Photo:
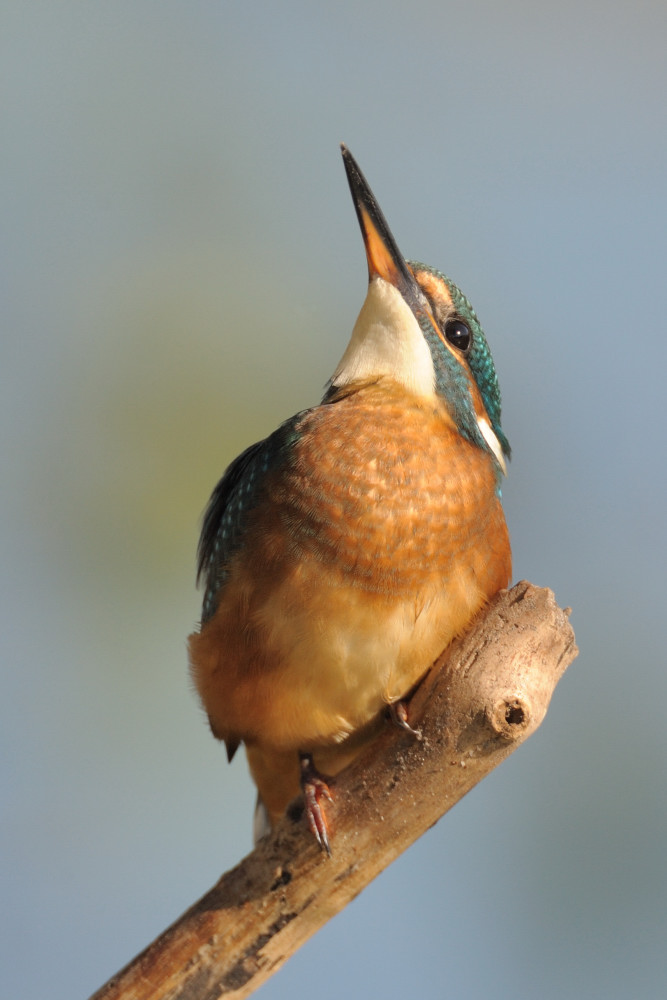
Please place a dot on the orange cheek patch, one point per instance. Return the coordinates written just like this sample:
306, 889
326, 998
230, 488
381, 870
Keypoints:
434, 288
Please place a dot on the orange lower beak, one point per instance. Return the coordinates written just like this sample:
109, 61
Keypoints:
384, 258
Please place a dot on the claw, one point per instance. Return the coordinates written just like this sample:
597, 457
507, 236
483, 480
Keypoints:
398, 712
315, 787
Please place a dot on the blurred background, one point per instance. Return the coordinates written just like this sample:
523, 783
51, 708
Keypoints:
182, 267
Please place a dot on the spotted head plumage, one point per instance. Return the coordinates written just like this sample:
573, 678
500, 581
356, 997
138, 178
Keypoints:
459, 331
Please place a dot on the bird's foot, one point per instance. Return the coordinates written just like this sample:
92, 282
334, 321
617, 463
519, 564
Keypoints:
398, 713
315, 786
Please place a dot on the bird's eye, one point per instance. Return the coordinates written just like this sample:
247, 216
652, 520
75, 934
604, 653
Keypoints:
458, 334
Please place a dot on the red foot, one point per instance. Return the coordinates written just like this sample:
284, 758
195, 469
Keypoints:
398, 711
315, 787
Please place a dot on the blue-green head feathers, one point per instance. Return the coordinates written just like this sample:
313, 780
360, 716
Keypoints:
449, 370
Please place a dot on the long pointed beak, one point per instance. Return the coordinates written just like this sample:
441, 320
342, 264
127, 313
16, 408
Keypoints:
384, 258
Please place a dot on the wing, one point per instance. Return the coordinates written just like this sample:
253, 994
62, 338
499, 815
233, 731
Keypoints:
226, 515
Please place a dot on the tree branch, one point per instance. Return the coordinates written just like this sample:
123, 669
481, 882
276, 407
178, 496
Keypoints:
487, 694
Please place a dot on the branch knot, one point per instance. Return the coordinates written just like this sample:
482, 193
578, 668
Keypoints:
510, 716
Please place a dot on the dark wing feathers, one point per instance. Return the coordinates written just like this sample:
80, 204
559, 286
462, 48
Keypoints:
217, 505
232, 499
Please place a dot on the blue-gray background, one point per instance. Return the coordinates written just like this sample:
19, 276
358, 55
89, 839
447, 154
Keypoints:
181, 267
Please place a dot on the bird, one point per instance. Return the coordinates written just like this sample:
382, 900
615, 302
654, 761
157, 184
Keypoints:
341, 555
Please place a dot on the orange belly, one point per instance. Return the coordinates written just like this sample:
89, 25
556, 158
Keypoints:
365, 555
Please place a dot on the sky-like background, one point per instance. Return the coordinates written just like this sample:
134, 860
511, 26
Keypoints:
181, 268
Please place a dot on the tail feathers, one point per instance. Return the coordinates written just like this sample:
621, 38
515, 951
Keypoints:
261, 824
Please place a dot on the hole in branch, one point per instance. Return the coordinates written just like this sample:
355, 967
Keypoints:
514, 714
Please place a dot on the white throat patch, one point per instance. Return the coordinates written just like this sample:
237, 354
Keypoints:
387, 340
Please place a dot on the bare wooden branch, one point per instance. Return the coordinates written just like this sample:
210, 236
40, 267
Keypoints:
487, 694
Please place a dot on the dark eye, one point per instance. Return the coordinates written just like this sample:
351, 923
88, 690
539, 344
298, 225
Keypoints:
458, 334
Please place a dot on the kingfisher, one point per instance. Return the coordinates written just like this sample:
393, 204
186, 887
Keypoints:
343, 553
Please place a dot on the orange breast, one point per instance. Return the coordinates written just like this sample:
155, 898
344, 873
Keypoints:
367, 552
